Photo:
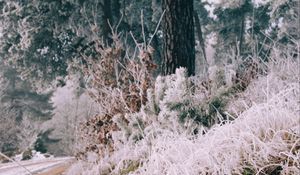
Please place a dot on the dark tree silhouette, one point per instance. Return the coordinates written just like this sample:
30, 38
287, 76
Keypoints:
179, 39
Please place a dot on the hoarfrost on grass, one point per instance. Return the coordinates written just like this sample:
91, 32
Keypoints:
262, 138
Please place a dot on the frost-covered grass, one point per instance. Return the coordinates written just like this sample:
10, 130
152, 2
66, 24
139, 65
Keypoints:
281, 73
264, 137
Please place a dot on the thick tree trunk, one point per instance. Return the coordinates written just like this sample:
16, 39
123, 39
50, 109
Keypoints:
179, 39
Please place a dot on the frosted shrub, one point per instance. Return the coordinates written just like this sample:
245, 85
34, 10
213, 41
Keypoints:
282, 72
172, 106
177, 104
264, 139
118, 83
240, 121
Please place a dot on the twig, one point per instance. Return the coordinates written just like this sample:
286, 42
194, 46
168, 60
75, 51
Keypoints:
143, 30
135, 41
119, 21
158, 24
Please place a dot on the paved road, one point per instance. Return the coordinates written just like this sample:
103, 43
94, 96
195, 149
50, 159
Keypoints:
50, 166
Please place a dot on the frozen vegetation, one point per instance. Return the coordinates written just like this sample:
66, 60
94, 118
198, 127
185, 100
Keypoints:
260, 132
155, 87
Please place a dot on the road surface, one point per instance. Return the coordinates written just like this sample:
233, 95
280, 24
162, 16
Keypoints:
49, 166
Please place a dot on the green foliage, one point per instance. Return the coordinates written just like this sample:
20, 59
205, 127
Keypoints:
31, 38
43, 141
186, 110
132, 166
40, 38
9, 147
19, 97
27, 154
174, 105
40, 146
216, 105
248, 171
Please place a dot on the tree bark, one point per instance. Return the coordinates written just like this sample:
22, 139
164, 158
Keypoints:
107, 18
179, 38
241, 37
116, 6
200, 35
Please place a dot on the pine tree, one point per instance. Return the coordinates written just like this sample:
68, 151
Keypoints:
41, 38
35, 38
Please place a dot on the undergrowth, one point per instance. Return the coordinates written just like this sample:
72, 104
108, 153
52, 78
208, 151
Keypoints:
191, 125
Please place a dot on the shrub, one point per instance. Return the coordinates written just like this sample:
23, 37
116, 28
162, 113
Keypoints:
118, 83
263, 139
27, 154
184, 127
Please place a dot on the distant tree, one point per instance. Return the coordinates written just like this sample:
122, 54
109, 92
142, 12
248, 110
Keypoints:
23, 109
40, 38
179, 37
202, 29
230, 26
36, 39
71, 109
245, 27
8, 130
44, 140
285, 17
202, 21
